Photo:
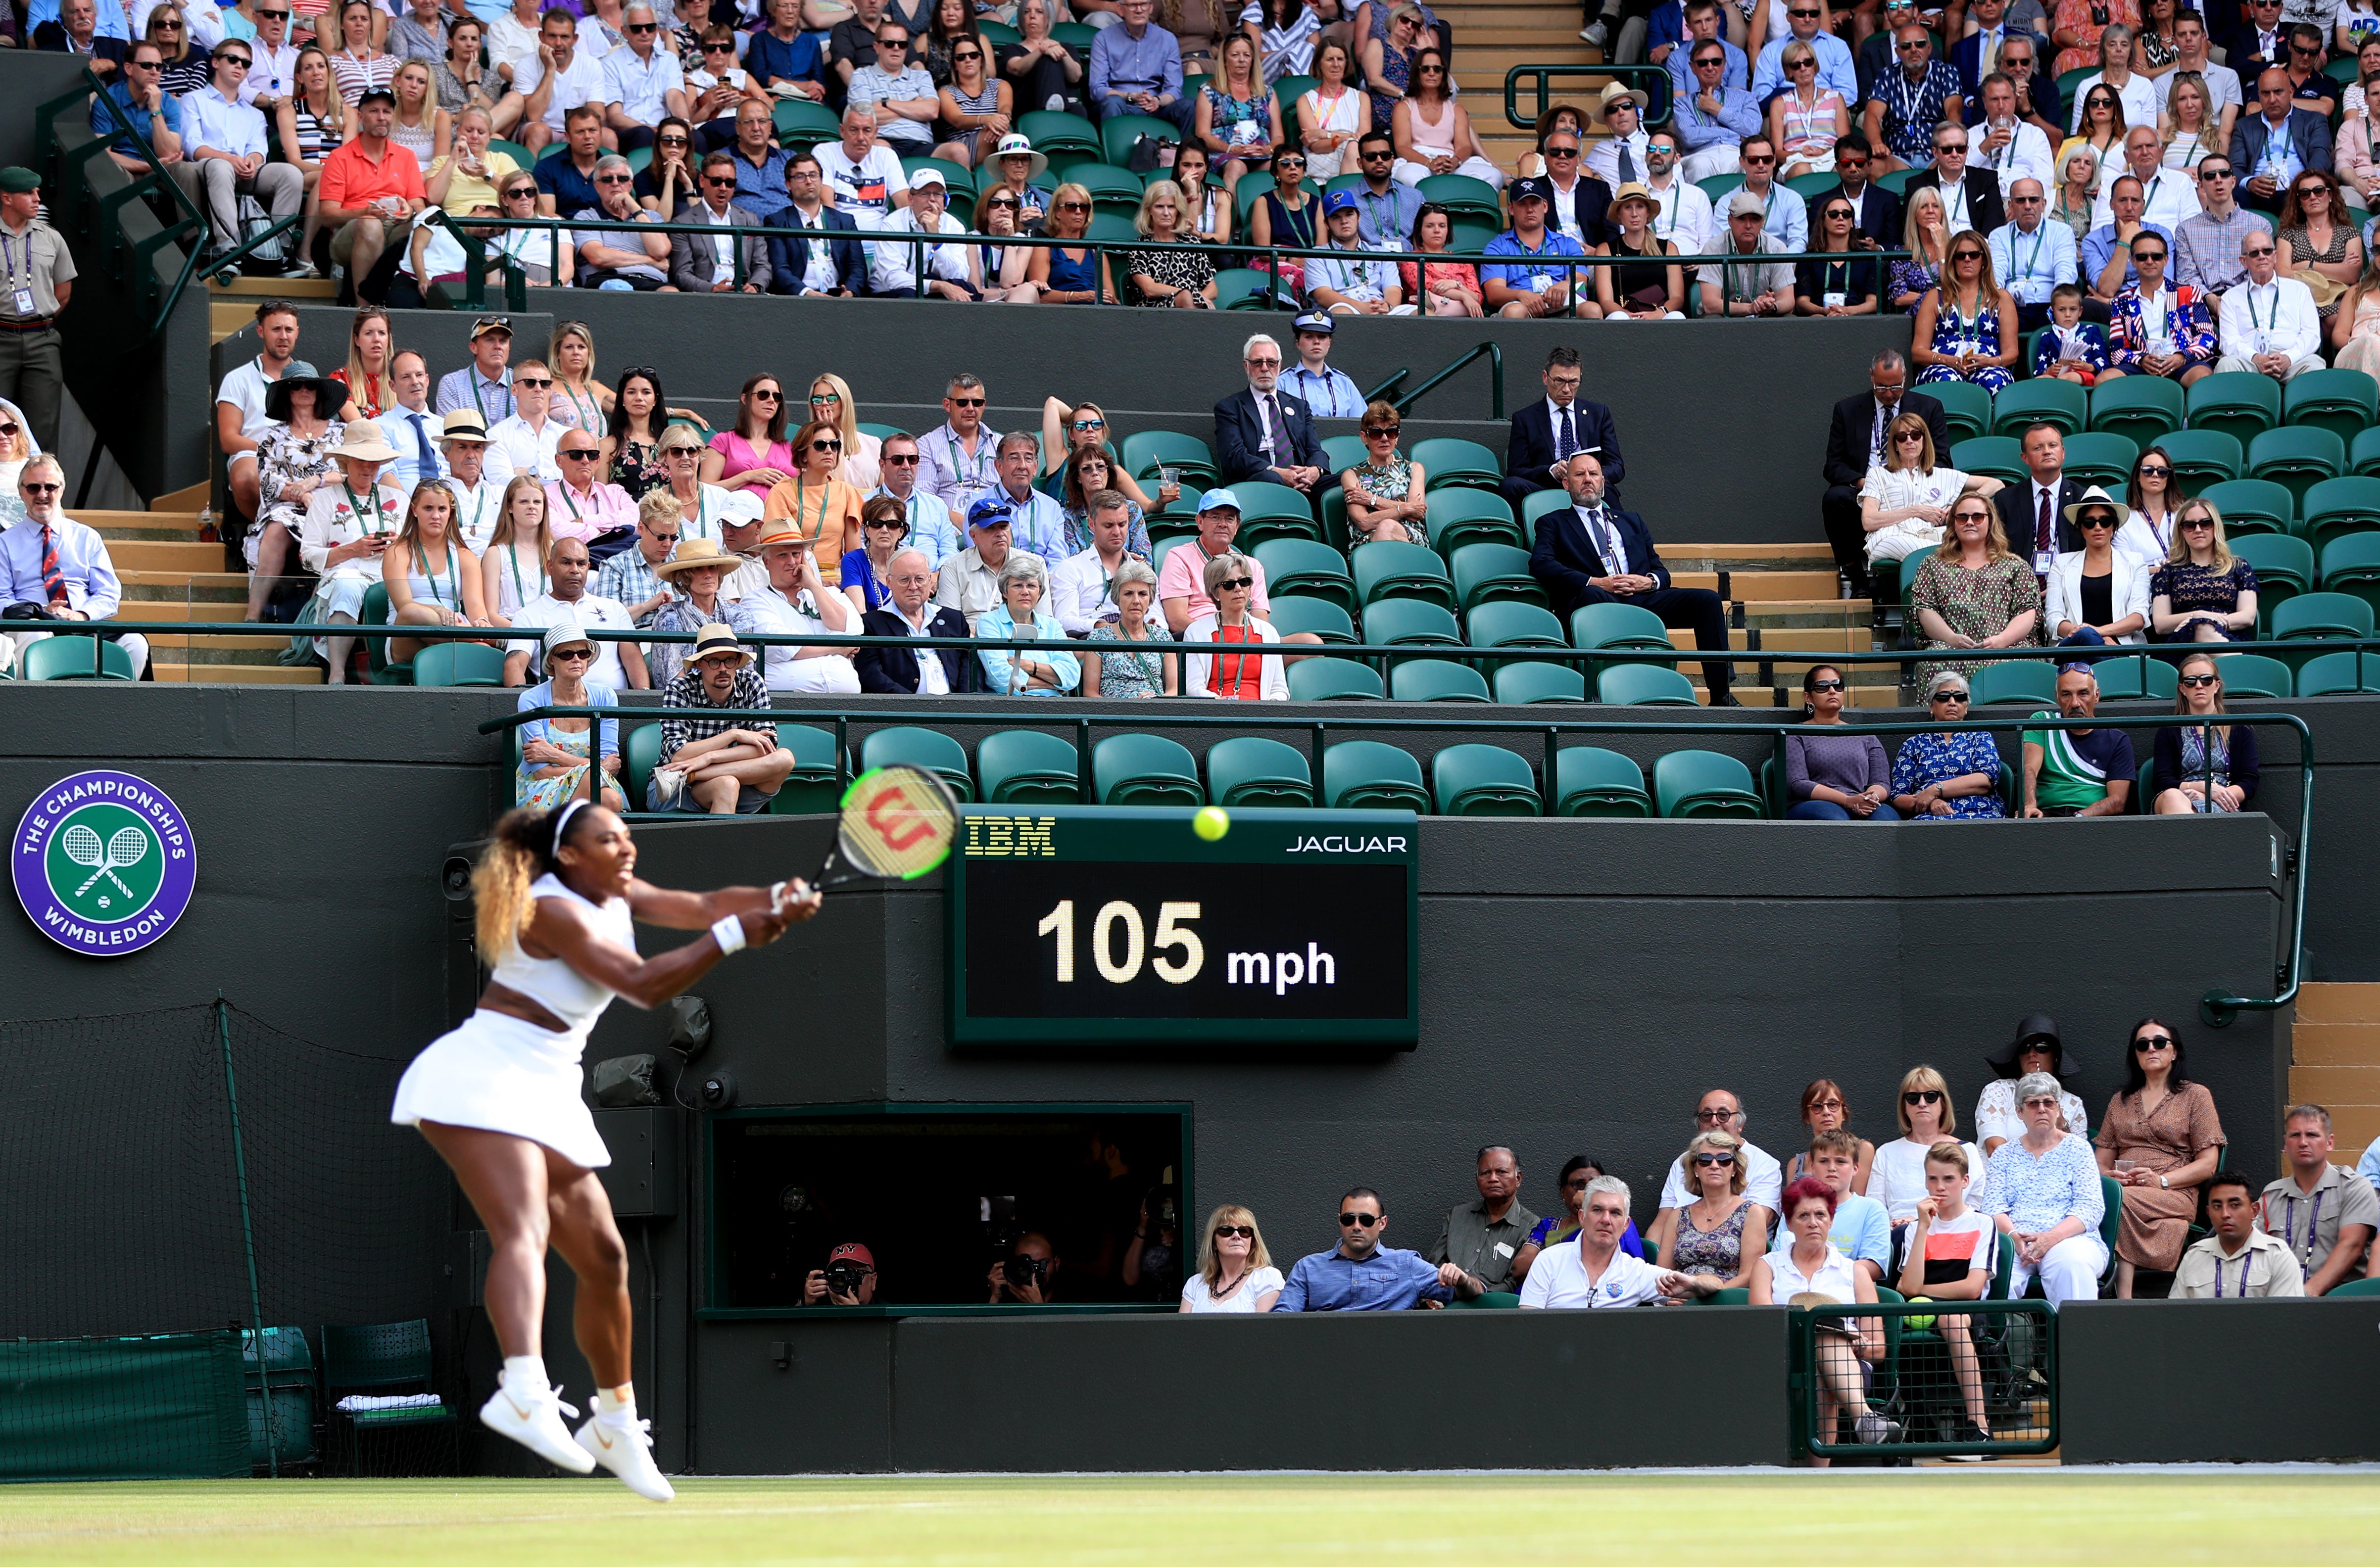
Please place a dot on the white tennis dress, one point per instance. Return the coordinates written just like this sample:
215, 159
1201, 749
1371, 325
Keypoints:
500, 1073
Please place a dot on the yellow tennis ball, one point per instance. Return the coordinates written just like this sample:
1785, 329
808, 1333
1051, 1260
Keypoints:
1918, 1324
1212, 822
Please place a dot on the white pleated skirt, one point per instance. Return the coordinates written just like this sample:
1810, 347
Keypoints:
499, 1073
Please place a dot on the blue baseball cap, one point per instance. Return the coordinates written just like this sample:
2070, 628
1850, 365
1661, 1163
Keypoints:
1528, 187
1337, 202
1218, 500
990, 512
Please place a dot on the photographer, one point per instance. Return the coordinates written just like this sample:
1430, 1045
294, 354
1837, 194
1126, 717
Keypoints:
1029, 1274
848, 1278
1152, 1264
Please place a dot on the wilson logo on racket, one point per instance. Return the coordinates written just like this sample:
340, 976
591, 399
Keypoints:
103, 863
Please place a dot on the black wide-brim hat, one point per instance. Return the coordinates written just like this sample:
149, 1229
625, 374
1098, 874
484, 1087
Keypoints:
2035, 1025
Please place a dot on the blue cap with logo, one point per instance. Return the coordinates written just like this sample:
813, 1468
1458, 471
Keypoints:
1526, 187
1315, 321
1337, 202
990, 512
1219, 501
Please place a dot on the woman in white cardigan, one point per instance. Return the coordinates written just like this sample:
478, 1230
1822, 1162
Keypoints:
1218, 671
2099, 594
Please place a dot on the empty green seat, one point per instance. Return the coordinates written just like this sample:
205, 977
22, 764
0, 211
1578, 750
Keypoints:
1305, 566
1446, 460
378, 1359
1410, 623
2284, 567
2251, 505
1483, 781
640, 752
1617, 626
2296, 456
2124, 680
2345, 402
1248, 770
1245, 288
1486, 574
459, 663
1367, 775
1270, 511
73, 657
1026, 767
2000, 456
2144, 407
1340, 452
1437, 680
814, 786
2320, 617
2336, 508
1145, 770
2363, 453
1539, 503
1507, 622
1295, 612
1059, 134
1537, 681
1333, 680
1459, 515
1644, 686
2060, 403
1390, 569
800, 123
1590, 780
1145, 452
2034, 681
1705, 784
2350, 565
2242, 403
2339, 674
376, 658
2092, 457
929, 748
2201, 458
1457, 192
1966, 409
2254, 674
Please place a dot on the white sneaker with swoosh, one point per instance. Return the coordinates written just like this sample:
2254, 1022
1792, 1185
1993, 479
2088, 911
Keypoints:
627, 1452
532, 1418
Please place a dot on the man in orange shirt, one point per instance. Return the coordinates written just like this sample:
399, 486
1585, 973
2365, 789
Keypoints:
370, 189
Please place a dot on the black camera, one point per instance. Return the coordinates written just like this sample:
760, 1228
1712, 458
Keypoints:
1021, 1271
845, 1278
1164, 1206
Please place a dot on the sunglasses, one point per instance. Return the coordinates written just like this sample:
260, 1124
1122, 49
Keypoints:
1073, 206
1010, 203
2195, 680
31, 489
164, 27
1561, 151
1790, 65
1918, 47
1950, 696
903, 44
673, 142
966, 402
1758, 158
1714, 1115
530, 383
242, 61
719, 48
2148, 1042
523, 192
2148, 255
1921, 1096
642, 27
1915, 437
1235, 582
2198, 522
1826, 685
826, 445
2096, 520
907, 460
615, 178
967, 55
2158, 471
1349, 1220
1090, 424
1722, 1161
1847, 162
2213, 174
724, 182
272, 16
2039, 1103
574, 654
581, 453
817, 397
763, 395
1386, 431
1375, 152
1244, 1232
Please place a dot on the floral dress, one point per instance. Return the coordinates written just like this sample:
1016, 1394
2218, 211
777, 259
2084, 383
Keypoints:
1134, 673
283, 459
1391, 480
1978, 603
2188, 586
1169, 269
636, 468
1396, 70
1244, 125
1983, 332
1715, 1253
1916, 276
1938, 759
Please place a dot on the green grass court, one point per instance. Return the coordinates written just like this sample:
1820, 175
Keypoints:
2034, 1517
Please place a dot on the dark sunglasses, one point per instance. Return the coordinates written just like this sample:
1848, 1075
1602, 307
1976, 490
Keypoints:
2096, 519
673, 142
1561, 151
271, 16
1073, 206
903, 44
1921, 1096
530, 382
763, 395
31, 489
1826, 685
719, 48
724, 181
895, 523
2154, 470
1389, 430
1950, 696
2148, 255
572, 653
615, 179
825, 446
1010, 203
1235, 582
2148, 1042
907, 460
1244, 1232
520, 193
581, 453
1722, 1160
1838, 212
966, 402
2195, 680
965, 54
240, 60
642, 27
1349, 1220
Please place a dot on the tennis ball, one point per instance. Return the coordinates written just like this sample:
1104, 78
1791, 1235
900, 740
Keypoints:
1212, 822
1918, 1324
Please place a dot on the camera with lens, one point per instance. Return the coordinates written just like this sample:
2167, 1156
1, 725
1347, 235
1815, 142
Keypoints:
845, 1278
1021, 1271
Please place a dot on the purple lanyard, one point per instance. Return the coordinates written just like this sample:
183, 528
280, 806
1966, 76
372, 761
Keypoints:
2289, 1231
2247, 1261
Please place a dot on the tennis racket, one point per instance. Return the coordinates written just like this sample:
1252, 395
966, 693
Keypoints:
896, 824
128, 847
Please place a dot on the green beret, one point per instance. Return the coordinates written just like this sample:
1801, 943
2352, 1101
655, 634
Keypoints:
19, 180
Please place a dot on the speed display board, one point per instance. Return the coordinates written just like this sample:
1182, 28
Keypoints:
1118, 924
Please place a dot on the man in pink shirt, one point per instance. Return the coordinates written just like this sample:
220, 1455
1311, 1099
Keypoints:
1181, 585
578, 506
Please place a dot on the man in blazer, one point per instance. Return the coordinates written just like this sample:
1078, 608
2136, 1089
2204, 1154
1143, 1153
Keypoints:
1589, 553
844, 272
1547, 431
694, 262
76, 31
914, 672
1970, 196
2300, 138
1855, 444
1262, 431
1879, 212
2032, 513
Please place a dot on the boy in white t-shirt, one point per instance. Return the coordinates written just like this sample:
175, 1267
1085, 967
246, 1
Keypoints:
1951, 1253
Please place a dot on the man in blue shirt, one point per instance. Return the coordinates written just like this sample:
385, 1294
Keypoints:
1713, 119
1530, 285
1835, 67
1364, 1275
1699, 23
1326, 392
141, 98
1389, 207
1862, 1230
782, 52
1136, 70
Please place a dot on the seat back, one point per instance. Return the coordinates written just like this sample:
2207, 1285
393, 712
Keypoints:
1145, 452
459, 663
1307, 566
2201, 458
1617, 626
2060, 403
1026, 767
2033, 681
1437, 680
1505, 622
1390, 569
73, 657
1966, 409
2254, 674
1484, 572
928, 749
1402, 621
2296, 456
2000, 456
1295, 612
1333, 680
380, 1354
1367, 775
2317, 616
1483, 781
2242, 403
2251, 505
640, 753
1705, 784
1643, 685
2142, 407
2122, 680
1146, 770
1459, 515
1538, 682
1447, 459
2339, 674
2345, 402
2101, 459
1590, 780
1249, 769
812, 787
2283, 564
2337, 508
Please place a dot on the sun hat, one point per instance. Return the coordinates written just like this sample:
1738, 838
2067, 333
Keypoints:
565, 634
717, 639
1634, 190
1015, 144
2035, 1025
1614, 93
465, 424
330, 395
692, 552
2096, 496
365, 443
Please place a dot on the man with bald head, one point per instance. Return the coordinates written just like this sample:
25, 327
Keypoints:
2168, 196
2276, 144
2031, 255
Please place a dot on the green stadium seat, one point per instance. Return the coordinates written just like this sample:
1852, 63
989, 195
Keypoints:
1469, 238
2254, 674
2244, 403
2340, 674
1248, 770
1112, 189
2284, 567
2335, 508
1437, 680
1111, 229
2320, 617
2060, 403
2199, 456
2251, 505
514, 151
375, 613
1145, 452
929, 748
1117, 135
640, 752
2000, 456
1293, 613
1461, 515
1810, 187
1335, 680
801, 123
1253, 187
1245, 288
1483, 781
2111, 1220
1367, 775
1340, 452
73, 657
1507, 622
2345, 402
1446, 460
2144, 407
1707, 784
1539, 503
2363, 453
1491, 1300
459, 663
2296, 456
1263, 498
1966, 409
1164, 543
1026, 767
2350, 565
1146, 770
996, 33
2121, 680
1388, 569
1898, 181
1590, 780
376, 1360
1643, 685
813, 787
1719, 186
1058, 135
2033, 681
1334, 518
958, 177
1077, 37
2094, 457
1537, 681
1410, 623
1487, 573
2355, 1287
1630, 626
1458, 193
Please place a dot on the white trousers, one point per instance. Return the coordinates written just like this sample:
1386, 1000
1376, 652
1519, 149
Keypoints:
1706, 162
2229, 363
131, 642
2071, 1271
1404, 173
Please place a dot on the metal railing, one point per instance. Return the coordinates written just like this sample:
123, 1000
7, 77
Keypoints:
1655, 80
1943, 1361
67, 176
1491, 351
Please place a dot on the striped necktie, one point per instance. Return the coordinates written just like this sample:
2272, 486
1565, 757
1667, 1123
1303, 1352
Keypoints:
54, 582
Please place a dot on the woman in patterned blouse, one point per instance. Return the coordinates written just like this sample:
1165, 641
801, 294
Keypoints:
1183, 279
1973, 592
1950, 776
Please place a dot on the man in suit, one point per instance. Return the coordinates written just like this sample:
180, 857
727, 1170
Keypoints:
77, 32
699, 265
2037, 100
1262, 431
798, 264
2261, 43
1977, 55
1879, 224
2032, 513
914, 672
1855, 444
2276, 144
1971, 198
1590, 553
1546, 433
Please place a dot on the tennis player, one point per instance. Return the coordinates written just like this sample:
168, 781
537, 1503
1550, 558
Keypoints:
499, 1100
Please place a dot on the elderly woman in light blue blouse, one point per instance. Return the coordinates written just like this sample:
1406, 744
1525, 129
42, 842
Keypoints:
1019, 672
2047, 1184
556, 760
1949, 774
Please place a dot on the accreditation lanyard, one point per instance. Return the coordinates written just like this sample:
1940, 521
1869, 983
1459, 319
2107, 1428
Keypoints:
478, 505
504, 385
2271, 320
1908, 106
2304, 1254
512, 559
826, 496
2033, 258
371, 529
24, 291
980, 461
591, 412
454, 578
2247, 1261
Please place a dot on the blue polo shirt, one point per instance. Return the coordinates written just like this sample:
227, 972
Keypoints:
1389, 1279
760, 188
1529, 278
141, 120
559, 177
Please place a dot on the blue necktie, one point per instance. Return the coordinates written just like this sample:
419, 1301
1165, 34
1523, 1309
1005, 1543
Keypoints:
1569, 444
421, 440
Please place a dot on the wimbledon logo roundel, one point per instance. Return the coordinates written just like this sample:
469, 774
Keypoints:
103, 863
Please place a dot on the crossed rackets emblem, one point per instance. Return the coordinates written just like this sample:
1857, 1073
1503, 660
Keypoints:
127, 847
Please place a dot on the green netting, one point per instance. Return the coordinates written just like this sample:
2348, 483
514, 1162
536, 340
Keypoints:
172, 1406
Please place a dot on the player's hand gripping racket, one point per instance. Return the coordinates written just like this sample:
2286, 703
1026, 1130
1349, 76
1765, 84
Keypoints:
896, 824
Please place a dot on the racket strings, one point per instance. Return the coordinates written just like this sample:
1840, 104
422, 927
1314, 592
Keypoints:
897, 823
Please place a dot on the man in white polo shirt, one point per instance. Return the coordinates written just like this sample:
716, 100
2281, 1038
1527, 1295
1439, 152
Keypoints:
1592, 1272
642, 83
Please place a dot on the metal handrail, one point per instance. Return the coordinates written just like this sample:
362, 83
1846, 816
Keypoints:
1661, 86
49, 152
1495, 353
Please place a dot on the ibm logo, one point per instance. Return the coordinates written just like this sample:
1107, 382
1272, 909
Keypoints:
1003, 837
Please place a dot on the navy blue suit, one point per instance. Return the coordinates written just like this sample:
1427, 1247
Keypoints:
1529, 453
1239, 438
894, 670
51, 37
1566, 556
1878, 213
789, 254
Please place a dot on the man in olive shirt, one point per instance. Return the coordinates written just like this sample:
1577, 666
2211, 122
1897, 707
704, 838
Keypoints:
1482, 1237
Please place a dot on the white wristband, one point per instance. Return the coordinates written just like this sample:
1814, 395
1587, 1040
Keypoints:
728, 931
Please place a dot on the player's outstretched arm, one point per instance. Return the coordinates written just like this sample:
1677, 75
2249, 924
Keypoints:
645, 982
675, 910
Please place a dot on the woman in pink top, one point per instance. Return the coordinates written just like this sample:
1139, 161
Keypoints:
754, 454
1452, 287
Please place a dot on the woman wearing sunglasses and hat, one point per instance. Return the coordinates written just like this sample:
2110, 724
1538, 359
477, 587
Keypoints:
568, 758
2036, 1048
292, 460
350, 522
694, 574
2099, 594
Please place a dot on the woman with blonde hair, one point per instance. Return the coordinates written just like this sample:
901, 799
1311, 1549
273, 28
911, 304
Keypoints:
2204, 592
432, 576
1805, 119
422, 129
1925, 235
1926, 1117
312, 123
1072, 437
2354, 327
2201, 767
1719, 1234
513, 571
578, 399
2190, 126
1163, 277
1069, 272
17, 448
1971, 592
831, 399
1236, 1273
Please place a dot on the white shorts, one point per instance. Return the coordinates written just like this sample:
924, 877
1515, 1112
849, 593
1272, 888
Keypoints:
500, 1073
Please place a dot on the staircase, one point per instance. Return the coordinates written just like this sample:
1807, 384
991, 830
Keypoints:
2335, 1062
171, 573
1491, 39
1784, 595
233, 305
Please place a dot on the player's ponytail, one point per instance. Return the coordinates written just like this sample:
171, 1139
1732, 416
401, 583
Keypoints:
519, 851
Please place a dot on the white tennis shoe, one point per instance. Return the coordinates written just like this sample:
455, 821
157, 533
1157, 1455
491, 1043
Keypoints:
627, 1452
532, 1417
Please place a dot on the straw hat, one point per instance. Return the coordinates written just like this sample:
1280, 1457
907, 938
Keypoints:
692, 552
1634, 190
1613, 92
717, 639
365, 443
802, 531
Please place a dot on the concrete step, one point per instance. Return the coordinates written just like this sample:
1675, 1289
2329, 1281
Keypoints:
2355, 1127
216, 588
2336, 1086
191, 498
154, 526
1803, 640
2339, 1004
236, 675
2334, 1044
145, 554
1748, 557
1747, 586
1856, 614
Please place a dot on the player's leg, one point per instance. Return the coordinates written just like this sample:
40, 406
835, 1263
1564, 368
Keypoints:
588, 1240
